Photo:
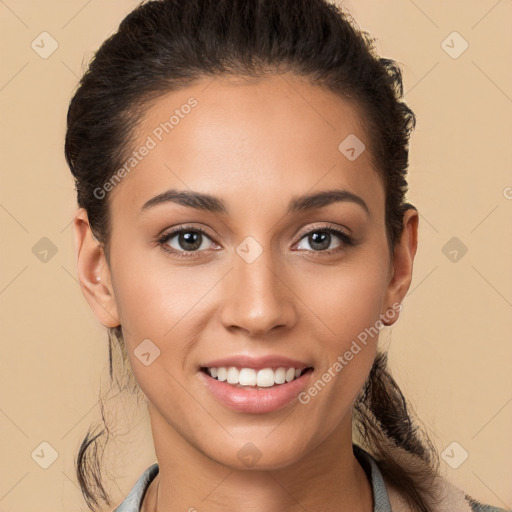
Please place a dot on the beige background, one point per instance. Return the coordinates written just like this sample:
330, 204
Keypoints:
451, 351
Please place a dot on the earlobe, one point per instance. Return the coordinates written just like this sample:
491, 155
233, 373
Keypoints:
93, 272
403, 259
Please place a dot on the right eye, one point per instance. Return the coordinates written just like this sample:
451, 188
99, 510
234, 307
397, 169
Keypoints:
185, 241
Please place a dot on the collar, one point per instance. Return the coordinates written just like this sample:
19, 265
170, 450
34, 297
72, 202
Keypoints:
133, 501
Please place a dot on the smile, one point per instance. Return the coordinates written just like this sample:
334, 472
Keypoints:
263, 378
265, 390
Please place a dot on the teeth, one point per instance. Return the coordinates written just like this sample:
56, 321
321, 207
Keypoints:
290, 374
280, 376
247, 377
263, 378
233, 375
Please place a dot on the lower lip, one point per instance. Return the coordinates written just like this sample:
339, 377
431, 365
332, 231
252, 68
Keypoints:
255, 400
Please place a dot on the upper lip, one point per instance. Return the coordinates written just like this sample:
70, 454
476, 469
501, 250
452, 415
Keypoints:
256, 363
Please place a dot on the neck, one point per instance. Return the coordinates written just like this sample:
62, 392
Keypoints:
327, 478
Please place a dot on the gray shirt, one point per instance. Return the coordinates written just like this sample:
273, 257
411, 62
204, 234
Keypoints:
133, 501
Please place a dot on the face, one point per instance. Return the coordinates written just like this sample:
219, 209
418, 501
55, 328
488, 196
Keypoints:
274, 256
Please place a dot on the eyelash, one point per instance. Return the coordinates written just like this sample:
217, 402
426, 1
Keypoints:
347, 241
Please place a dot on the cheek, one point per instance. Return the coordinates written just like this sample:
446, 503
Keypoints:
153, 295
347, 298
349, 302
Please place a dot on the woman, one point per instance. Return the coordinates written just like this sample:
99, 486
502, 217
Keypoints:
243, 234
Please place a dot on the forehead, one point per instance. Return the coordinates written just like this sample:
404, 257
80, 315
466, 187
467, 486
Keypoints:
251, 139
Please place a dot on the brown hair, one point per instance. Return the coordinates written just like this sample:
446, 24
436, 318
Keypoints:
165, 45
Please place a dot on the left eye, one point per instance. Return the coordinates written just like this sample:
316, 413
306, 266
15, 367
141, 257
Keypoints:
320, 239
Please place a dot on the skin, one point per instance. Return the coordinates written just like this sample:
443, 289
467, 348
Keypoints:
255, 145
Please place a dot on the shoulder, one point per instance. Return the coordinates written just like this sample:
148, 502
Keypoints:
133, 502
477, 506
456, 499
448, 497
444, 495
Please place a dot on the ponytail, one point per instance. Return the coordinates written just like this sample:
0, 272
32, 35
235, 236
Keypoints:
406, 456
89, 460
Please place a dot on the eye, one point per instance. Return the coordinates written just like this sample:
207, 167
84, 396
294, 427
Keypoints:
183, 240
320, 239
188, 241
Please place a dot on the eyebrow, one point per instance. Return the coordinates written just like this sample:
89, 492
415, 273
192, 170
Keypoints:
213, 204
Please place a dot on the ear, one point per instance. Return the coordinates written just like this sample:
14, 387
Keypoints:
94, 272
402, 264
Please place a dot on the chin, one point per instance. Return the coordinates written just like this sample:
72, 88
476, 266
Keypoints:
260, 454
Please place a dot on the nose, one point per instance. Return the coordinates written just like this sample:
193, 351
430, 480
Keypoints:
257, 297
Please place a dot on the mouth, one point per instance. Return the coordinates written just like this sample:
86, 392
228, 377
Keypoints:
241, 377
259, 390
255, 385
